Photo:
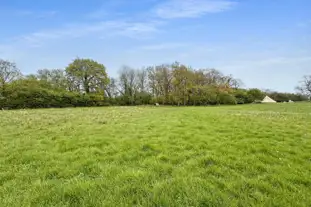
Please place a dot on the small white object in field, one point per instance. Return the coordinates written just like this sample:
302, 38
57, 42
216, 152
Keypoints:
157, 104
267, 99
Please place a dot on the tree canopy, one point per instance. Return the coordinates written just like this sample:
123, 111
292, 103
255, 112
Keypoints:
84, 82
86, 75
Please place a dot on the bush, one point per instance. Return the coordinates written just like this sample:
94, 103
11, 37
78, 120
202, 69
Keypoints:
31, 93
254, 94
241, 96
226, 98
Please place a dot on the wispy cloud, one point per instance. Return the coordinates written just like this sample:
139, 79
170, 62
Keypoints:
106, 9
117, 27
28, 14
128, 28
46, 14
191, 8
163, 46
138, 29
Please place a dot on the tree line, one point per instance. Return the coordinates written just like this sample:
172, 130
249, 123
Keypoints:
85, 82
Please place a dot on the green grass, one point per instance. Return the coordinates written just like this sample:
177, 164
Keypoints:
251, 155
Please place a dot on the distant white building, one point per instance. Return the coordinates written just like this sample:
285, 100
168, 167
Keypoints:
267, 99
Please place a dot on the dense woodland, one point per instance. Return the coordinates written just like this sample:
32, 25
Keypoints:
84, 82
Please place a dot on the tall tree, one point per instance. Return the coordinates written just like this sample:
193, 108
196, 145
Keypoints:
182, 83
86, 75
233, 82
8, 72
128, 84
142, 80
305, 86
56, 77
111, 89
160, 81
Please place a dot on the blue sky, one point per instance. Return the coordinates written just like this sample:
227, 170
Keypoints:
265, 43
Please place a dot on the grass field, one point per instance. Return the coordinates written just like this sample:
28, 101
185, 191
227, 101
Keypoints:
252, 155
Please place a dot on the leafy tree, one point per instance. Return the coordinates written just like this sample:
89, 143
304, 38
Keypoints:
8, 73
160, 81
182, 83
143, 98
226, 98
174, 84
86, 75
281, 97
254, 94
241, 96
128, 84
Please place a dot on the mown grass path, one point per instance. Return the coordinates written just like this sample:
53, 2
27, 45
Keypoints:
252, 155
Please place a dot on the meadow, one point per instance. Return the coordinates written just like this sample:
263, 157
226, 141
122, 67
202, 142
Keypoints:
245, 155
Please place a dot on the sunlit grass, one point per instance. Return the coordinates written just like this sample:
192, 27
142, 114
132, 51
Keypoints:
249, 155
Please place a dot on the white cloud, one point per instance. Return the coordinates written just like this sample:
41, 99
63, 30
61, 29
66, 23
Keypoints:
138, 29
103, 28
191, 8
131, 29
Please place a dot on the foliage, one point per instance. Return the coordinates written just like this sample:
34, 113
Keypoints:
285, 97
242, 97
254, 95
33, 93
86, 75
85, 83
55, 77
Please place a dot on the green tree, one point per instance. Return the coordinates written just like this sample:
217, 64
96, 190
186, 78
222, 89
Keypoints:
128, 84
182, 82
8, 73
160, 82
86, 75
241, 96
28, 93
255, 94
